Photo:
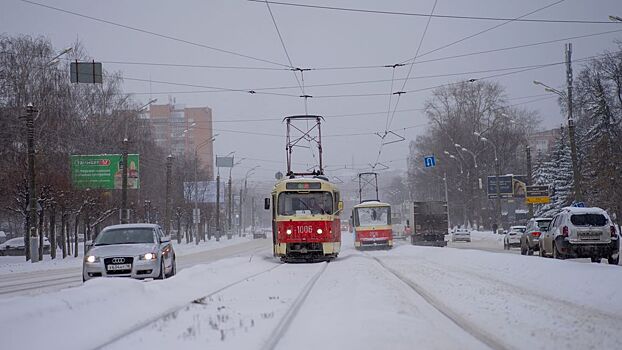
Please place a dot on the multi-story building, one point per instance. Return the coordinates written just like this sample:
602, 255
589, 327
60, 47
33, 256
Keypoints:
542, 142
182, 129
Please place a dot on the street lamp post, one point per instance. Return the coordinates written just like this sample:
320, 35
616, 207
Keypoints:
230, 200
578, 191
497, 171
477, 179
196, 217
243, 193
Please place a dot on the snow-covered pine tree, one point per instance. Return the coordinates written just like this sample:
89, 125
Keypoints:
556, 172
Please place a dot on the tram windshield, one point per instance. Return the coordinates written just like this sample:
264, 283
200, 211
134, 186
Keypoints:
373, 216
310, 203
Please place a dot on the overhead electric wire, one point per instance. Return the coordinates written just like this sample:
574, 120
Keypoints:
149, 32
484, 31
415, 14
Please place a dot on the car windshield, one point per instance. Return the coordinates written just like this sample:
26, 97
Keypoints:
588, 220
543, 224
373, 216
125, 236
309, 203
518, 229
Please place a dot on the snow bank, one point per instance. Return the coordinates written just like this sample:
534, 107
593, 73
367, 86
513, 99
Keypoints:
102, 309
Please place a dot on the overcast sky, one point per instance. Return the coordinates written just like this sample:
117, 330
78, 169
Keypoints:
319, 38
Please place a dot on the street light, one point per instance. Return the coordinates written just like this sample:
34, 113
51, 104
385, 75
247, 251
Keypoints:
243, 194
464, 149
196, 217
578, 193
230, 198
497, 171
456, 159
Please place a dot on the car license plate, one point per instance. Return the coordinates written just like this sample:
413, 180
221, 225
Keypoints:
119, 267
589, 235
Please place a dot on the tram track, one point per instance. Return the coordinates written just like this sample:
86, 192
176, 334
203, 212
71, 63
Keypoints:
195, 306
476, 332
170, 312
33, 284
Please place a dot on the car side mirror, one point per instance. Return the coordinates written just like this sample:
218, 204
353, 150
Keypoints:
266, 203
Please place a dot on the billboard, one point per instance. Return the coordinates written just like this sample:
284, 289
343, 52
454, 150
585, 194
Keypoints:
203, 192
104, 171
510, 186
537, 195
224, 162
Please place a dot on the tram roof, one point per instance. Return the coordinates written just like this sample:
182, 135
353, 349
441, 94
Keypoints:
372, 204
324, 184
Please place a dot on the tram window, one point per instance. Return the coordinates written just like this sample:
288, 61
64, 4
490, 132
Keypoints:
310, 203
373, 216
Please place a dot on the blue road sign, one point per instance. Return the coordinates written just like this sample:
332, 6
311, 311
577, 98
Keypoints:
429, 161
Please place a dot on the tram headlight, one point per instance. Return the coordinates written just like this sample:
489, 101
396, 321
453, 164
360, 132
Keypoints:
288, 231
319, 231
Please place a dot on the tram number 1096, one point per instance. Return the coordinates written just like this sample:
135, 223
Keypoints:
304, 229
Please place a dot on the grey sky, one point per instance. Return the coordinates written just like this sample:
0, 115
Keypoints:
317, 38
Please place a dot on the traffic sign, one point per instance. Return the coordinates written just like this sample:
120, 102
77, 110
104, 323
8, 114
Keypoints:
537, 195
429, 161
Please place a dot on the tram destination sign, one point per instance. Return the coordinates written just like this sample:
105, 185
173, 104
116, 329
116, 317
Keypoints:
303, 186
104, 171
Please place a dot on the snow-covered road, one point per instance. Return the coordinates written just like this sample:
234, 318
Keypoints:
56, 278
405, 298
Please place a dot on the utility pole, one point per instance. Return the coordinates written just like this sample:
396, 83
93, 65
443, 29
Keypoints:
218, 205
528, 156
446, 201
498, 186
31, 243
229, 206
578, 192
196, 217
124, 209
241, 201
167, 205
252, 215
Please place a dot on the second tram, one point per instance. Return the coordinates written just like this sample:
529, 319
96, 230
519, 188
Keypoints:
372, 225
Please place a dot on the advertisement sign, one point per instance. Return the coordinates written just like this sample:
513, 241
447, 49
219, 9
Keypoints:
104, 171
203, 192
537, 195
510, 186
224, 162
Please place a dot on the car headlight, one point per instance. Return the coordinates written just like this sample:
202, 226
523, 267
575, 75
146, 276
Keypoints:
148, 256
288, 231
92, 259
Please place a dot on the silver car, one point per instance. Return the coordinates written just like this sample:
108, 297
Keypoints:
131, 250
581, 233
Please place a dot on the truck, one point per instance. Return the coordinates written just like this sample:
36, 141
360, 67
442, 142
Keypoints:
429, 223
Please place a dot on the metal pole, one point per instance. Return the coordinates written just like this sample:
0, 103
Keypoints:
578, 192
446, 200
229, 205
124, 209
498, 190
167, 210
31, 243
528, 155
195, 215
218, 205
240, 211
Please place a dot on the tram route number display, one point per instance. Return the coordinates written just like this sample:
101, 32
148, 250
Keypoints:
303, 186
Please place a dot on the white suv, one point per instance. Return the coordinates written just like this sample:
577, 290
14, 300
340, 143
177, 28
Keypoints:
581, 233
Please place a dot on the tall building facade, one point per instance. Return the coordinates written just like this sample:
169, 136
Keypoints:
183, 130
542, 142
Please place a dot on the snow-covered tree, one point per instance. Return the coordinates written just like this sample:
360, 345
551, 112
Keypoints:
556, 172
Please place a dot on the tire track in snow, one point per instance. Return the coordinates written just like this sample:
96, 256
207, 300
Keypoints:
458, 320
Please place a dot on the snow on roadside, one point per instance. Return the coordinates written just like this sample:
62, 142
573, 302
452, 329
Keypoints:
102, 309
18, 264
524, 301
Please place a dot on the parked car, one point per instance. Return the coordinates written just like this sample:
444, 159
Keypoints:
261, 233
513, 237
16, 246
581, 233
130, 250
531, 236
462, 235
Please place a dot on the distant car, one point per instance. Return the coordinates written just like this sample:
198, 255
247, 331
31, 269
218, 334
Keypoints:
16, 246
461, 235
261, 233
531, 236
581, 233
513, 237
131, 250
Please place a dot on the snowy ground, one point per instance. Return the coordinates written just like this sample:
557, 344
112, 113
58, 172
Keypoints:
408, 297
18, 264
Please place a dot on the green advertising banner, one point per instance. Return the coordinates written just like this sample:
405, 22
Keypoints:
103, 171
